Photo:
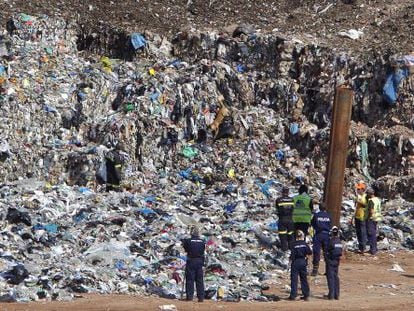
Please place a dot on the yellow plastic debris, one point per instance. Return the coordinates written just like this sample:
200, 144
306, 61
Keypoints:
107, 63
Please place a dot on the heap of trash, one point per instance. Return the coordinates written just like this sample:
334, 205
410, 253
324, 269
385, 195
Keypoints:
107, 162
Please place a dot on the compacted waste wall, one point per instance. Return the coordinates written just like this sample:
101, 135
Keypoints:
72, 92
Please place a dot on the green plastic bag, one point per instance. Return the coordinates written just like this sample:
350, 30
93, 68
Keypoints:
129, 107
189, 152
49, 50
26, 18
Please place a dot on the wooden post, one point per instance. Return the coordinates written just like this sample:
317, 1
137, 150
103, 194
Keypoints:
338, 151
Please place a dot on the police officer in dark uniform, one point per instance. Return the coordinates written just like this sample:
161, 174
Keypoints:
333, 256
195, 248
284, 206
299, 263
321, 223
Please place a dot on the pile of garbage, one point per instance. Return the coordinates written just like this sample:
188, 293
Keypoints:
59, 242
363, 27
107, 162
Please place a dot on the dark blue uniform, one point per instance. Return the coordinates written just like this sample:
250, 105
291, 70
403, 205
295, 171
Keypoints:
321, 223
299, 268
195, 248
332, 265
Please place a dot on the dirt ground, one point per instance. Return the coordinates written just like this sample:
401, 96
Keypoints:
367, 283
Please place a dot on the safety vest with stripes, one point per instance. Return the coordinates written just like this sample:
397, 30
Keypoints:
376, 205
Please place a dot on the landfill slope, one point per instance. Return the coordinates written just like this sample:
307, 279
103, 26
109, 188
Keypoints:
386, 24
201, 128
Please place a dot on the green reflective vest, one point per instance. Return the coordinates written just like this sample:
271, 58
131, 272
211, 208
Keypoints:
376, 213
302, 211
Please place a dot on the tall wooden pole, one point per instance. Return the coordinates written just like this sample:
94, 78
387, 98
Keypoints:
338, 151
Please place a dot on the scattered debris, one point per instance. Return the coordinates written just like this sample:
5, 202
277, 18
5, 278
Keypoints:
353, 34
396, 268
168, 308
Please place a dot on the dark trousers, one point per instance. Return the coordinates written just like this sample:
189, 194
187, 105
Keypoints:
361, 232
320, 241
286, 231
303, 226
372, 236
194, 273
332, 267
299, 269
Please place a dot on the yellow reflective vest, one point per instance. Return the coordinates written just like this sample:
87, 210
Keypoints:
375, 204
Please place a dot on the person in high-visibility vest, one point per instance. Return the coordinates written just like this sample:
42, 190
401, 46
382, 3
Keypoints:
374, 216
361, 215
302, 212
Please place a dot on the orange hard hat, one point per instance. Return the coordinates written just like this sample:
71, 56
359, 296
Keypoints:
361, 186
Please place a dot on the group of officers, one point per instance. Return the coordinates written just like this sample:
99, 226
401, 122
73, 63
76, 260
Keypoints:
296, 219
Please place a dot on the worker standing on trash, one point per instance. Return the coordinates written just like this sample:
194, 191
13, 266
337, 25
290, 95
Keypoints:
302, 212
361, 214
284, 207
195, 248
299, 266
321, 223
332, 258
115, 161
374, 216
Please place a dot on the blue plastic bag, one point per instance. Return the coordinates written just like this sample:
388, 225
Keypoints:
185, 173
280, 155
390, 89
294, 128
274, 226
240, 68
265, 187
49, 109
230, 207
138, 41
